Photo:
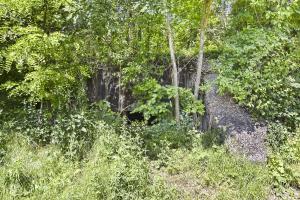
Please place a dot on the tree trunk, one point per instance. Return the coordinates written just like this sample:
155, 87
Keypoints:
199, 64
223, 11
121, 94
173, 60
207, 5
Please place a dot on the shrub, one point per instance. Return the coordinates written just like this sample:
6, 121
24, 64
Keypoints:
155, 100
4, 137
260, 68
277, 135
75, 134
115, 168
158, 137
33, 173
284, 164
102, 111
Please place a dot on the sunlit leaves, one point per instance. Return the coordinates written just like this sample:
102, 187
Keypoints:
260, 69
155, 100
37, 49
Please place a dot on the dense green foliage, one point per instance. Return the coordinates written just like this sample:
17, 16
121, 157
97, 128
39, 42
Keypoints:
99, 161
58, 142
50, 48
152, 100
260, 66
117, 167
40, 59
260, 62
284, 163
113, 169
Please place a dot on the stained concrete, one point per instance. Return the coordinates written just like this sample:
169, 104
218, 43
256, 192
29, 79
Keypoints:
244, 135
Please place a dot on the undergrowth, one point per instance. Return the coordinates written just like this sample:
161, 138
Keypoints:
284, 160
114, 168
217, 174
86, 158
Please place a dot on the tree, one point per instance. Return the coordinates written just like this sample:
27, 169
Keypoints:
173, 60
39, 53
204, 20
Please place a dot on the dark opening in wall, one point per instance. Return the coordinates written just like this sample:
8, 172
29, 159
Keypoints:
138, 117
38, 105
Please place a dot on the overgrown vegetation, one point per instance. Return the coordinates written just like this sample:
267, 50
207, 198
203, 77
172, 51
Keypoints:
284, 162
259, 66
122, 165
260, 62
73, 71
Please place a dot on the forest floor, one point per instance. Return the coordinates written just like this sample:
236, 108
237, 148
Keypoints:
186, 183
190, 187
122, 166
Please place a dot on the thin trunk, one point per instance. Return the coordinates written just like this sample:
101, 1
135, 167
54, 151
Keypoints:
40, 115
223, 11
207, 5
148, 38
199, 64
174, 65
121, 95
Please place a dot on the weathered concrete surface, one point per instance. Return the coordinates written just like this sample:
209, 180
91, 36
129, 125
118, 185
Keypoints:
244, 135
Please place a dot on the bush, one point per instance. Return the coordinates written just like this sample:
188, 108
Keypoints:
75, 134
114, 168
284, 164
260, 68
277, 135
155, 100
102, 111
33, 173
158, 137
